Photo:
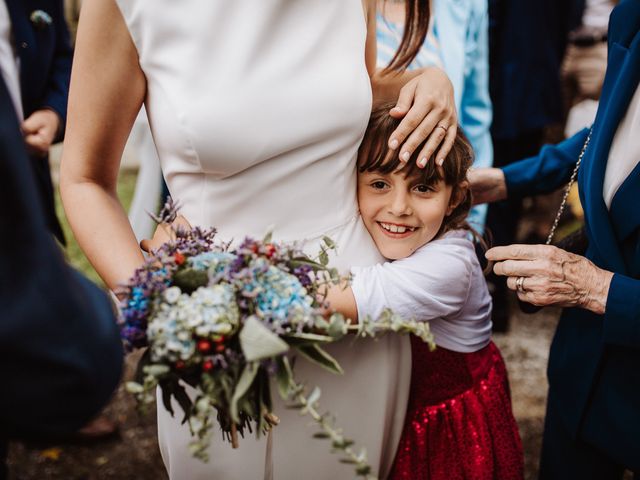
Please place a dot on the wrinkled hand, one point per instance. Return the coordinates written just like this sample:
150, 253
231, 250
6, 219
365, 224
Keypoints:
487, 185
40, 130
163, 234
425, 102
552, 276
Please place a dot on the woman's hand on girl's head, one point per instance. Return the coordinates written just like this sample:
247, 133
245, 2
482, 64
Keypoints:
546, 275
427, 107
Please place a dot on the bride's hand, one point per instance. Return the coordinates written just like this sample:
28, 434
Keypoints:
428, 106
163, 234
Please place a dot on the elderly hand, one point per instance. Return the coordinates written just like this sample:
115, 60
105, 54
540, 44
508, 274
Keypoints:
487, 185
428, 106
40, 130
546, 275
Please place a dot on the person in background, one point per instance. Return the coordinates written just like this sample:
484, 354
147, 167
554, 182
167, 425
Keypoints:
527, 40
72, 13
457, 42
60, 351
585, 60
593, 419
35, 59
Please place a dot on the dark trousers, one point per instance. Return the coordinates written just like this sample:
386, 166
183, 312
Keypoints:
564, 458
3, 460
42, 175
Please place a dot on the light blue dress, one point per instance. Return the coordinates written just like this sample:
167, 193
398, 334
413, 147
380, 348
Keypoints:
458, 43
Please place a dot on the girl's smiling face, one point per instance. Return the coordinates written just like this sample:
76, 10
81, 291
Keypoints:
400, 213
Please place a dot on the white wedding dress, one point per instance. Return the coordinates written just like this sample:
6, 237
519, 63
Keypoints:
257, 108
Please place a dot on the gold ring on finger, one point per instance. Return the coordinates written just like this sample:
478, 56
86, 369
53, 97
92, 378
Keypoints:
443, 127
520, 285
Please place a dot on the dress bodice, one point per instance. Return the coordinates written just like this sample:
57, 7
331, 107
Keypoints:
261, 104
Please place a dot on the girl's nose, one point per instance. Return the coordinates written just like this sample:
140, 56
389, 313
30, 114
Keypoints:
400, 205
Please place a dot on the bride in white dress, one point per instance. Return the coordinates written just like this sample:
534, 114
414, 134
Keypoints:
257, 109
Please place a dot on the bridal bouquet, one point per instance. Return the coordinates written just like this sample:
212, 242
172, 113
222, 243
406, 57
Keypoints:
226, 321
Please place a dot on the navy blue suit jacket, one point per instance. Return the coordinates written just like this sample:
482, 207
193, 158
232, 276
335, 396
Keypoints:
45, 67
45, 55
60, 352
594, 366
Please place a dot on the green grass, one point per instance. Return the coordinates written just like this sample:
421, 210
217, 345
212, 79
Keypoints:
126, 187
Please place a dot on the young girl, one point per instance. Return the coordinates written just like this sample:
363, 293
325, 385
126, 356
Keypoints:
459, 423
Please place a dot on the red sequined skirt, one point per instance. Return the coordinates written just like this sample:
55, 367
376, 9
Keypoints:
459, 423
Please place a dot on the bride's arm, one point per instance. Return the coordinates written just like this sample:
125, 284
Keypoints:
107, 91
424, 100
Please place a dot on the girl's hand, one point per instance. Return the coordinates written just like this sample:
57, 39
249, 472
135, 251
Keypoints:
428, 106
546, 275
163, 234
487, 185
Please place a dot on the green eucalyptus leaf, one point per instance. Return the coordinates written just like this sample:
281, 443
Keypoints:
317, 355
314, 396
328, 242
258, 342
244, 383
134, 387
323, 258
284, 376
295, 338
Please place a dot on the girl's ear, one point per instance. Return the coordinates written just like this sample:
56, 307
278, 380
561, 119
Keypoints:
457, 196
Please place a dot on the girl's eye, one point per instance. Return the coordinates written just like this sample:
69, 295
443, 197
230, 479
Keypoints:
422, 188
379, 185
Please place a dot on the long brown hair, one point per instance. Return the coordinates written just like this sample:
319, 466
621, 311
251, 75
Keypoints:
416, 25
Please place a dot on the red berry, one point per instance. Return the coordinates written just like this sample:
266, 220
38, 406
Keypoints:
220, 348
180, 365
270, 249
207, 366
219, 339
204, 346
179, 258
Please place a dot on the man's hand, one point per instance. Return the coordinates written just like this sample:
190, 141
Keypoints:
40, 130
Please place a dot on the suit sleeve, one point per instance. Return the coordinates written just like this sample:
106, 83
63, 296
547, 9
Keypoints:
622, 314
59, 76
60, 352
547, 171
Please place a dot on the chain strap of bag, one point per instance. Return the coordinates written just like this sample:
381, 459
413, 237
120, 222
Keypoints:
567, 189
575, 242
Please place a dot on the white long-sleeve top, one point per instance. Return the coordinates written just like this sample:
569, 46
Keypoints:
442, 283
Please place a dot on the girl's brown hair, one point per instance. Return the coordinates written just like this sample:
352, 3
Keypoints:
375, 156
416, 25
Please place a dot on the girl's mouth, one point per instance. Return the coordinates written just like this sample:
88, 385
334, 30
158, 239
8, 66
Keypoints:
396, 231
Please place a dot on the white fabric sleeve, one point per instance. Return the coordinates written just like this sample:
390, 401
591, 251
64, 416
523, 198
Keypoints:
432, 283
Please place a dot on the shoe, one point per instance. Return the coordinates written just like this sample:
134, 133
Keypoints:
99, 429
